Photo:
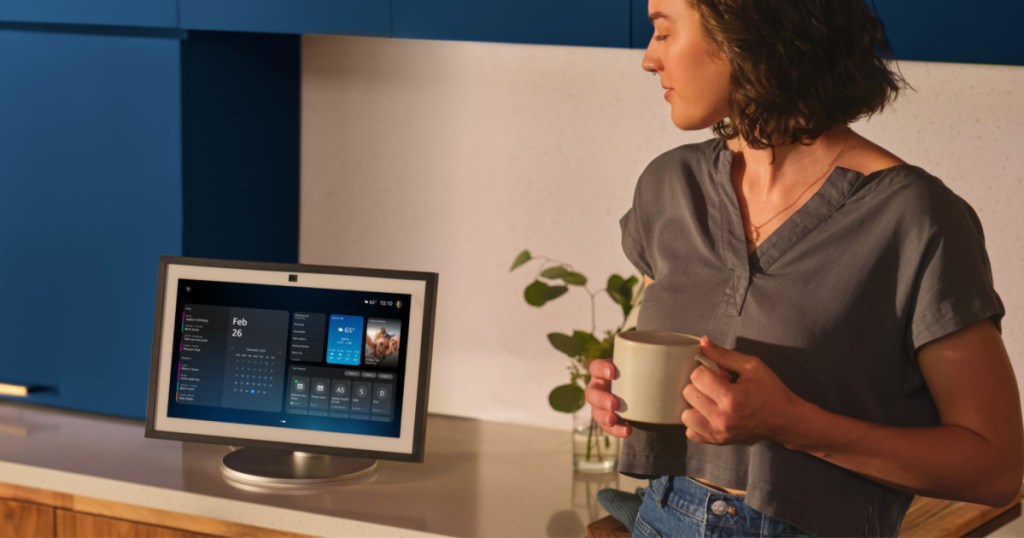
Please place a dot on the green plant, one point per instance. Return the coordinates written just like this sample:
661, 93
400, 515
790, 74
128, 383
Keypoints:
554, 280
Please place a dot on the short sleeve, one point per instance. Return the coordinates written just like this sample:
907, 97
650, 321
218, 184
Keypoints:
632, 242
668, 195
956, 286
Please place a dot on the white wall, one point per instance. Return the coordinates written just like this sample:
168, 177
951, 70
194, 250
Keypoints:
452, 157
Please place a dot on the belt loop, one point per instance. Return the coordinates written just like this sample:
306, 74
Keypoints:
660, 489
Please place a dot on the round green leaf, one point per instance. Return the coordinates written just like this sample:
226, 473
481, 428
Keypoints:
539, 293
555, 292
536, 293
554, 272
575, 279
617, 290
567, 398
566, 344
584, 338
601, 349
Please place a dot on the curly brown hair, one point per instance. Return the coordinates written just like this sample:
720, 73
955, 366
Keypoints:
799, 67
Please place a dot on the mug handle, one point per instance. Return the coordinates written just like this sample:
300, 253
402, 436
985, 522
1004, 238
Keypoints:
711, 365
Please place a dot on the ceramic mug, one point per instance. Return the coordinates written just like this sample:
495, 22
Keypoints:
653, 368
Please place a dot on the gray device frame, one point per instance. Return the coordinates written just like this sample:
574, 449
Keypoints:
422, 377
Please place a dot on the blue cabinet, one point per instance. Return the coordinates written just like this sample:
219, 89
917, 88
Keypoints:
241, 145
356, 17
980, 31
90, 173
115, 149
983, 31
145, 13
604, 23
642, 29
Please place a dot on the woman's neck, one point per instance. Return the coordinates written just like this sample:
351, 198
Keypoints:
766, 173
772, 184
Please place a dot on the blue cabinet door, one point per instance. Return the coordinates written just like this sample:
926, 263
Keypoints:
90, 195
983, 31
980, 31
602, 23
356, 17
150, 13
642, 29
241, 145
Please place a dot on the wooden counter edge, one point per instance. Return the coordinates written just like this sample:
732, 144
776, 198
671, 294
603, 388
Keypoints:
130, 512
937, 517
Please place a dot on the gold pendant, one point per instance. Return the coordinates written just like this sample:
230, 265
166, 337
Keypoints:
753, 235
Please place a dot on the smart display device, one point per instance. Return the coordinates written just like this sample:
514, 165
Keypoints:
315, 371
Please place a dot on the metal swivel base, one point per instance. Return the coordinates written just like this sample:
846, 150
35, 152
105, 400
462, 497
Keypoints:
282, 469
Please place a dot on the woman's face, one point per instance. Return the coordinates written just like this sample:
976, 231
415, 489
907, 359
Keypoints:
692, 71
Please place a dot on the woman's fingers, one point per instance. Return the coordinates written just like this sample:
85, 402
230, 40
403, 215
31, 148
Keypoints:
602, 403
603, 369
698, 400
611, 423
599, 396
697, 426
605, 416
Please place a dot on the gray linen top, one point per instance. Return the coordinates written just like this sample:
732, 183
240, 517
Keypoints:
836, 302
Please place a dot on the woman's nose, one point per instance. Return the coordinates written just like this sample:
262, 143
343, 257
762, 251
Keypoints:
650, 63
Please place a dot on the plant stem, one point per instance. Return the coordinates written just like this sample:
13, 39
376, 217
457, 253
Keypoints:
548, 262
590, 438
593, 312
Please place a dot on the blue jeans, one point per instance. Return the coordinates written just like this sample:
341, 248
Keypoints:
680, 506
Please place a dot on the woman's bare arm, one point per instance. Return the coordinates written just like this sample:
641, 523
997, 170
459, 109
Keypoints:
974, 455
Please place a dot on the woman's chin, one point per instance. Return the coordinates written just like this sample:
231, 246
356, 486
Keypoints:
686, 120
689, 124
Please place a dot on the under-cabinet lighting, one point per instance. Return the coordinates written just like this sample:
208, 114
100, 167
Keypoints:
7, 389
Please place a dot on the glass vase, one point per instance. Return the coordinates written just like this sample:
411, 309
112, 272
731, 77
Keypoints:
593, 450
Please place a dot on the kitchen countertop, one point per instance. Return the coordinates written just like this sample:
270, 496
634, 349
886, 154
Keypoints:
478, 479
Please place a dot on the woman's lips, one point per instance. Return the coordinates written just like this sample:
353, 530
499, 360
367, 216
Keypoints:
668, 93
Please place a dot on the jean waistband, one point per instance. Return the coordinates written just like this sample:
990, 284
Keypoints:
692, 494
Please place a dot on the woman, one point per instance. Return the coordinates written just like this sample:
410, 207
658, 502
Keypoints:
847, 293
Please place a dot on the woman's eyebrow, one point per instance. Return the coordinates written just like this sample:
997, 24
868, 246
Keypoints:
659, 15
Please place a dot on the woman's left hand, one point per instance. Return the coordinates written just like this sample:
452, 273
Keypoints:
752, 407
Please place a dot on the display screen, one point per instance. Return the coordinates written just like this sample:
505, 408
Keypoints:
292, 357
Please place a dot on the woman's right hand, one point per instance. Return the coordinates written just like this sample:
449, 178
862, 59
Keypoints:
602, 402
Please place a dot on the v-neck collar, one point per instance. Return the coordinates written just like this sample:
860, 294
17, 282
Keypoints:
732, 239
832, 194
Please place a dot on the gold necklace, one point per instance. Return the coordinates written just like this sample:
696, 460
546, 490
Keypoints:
754, 230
